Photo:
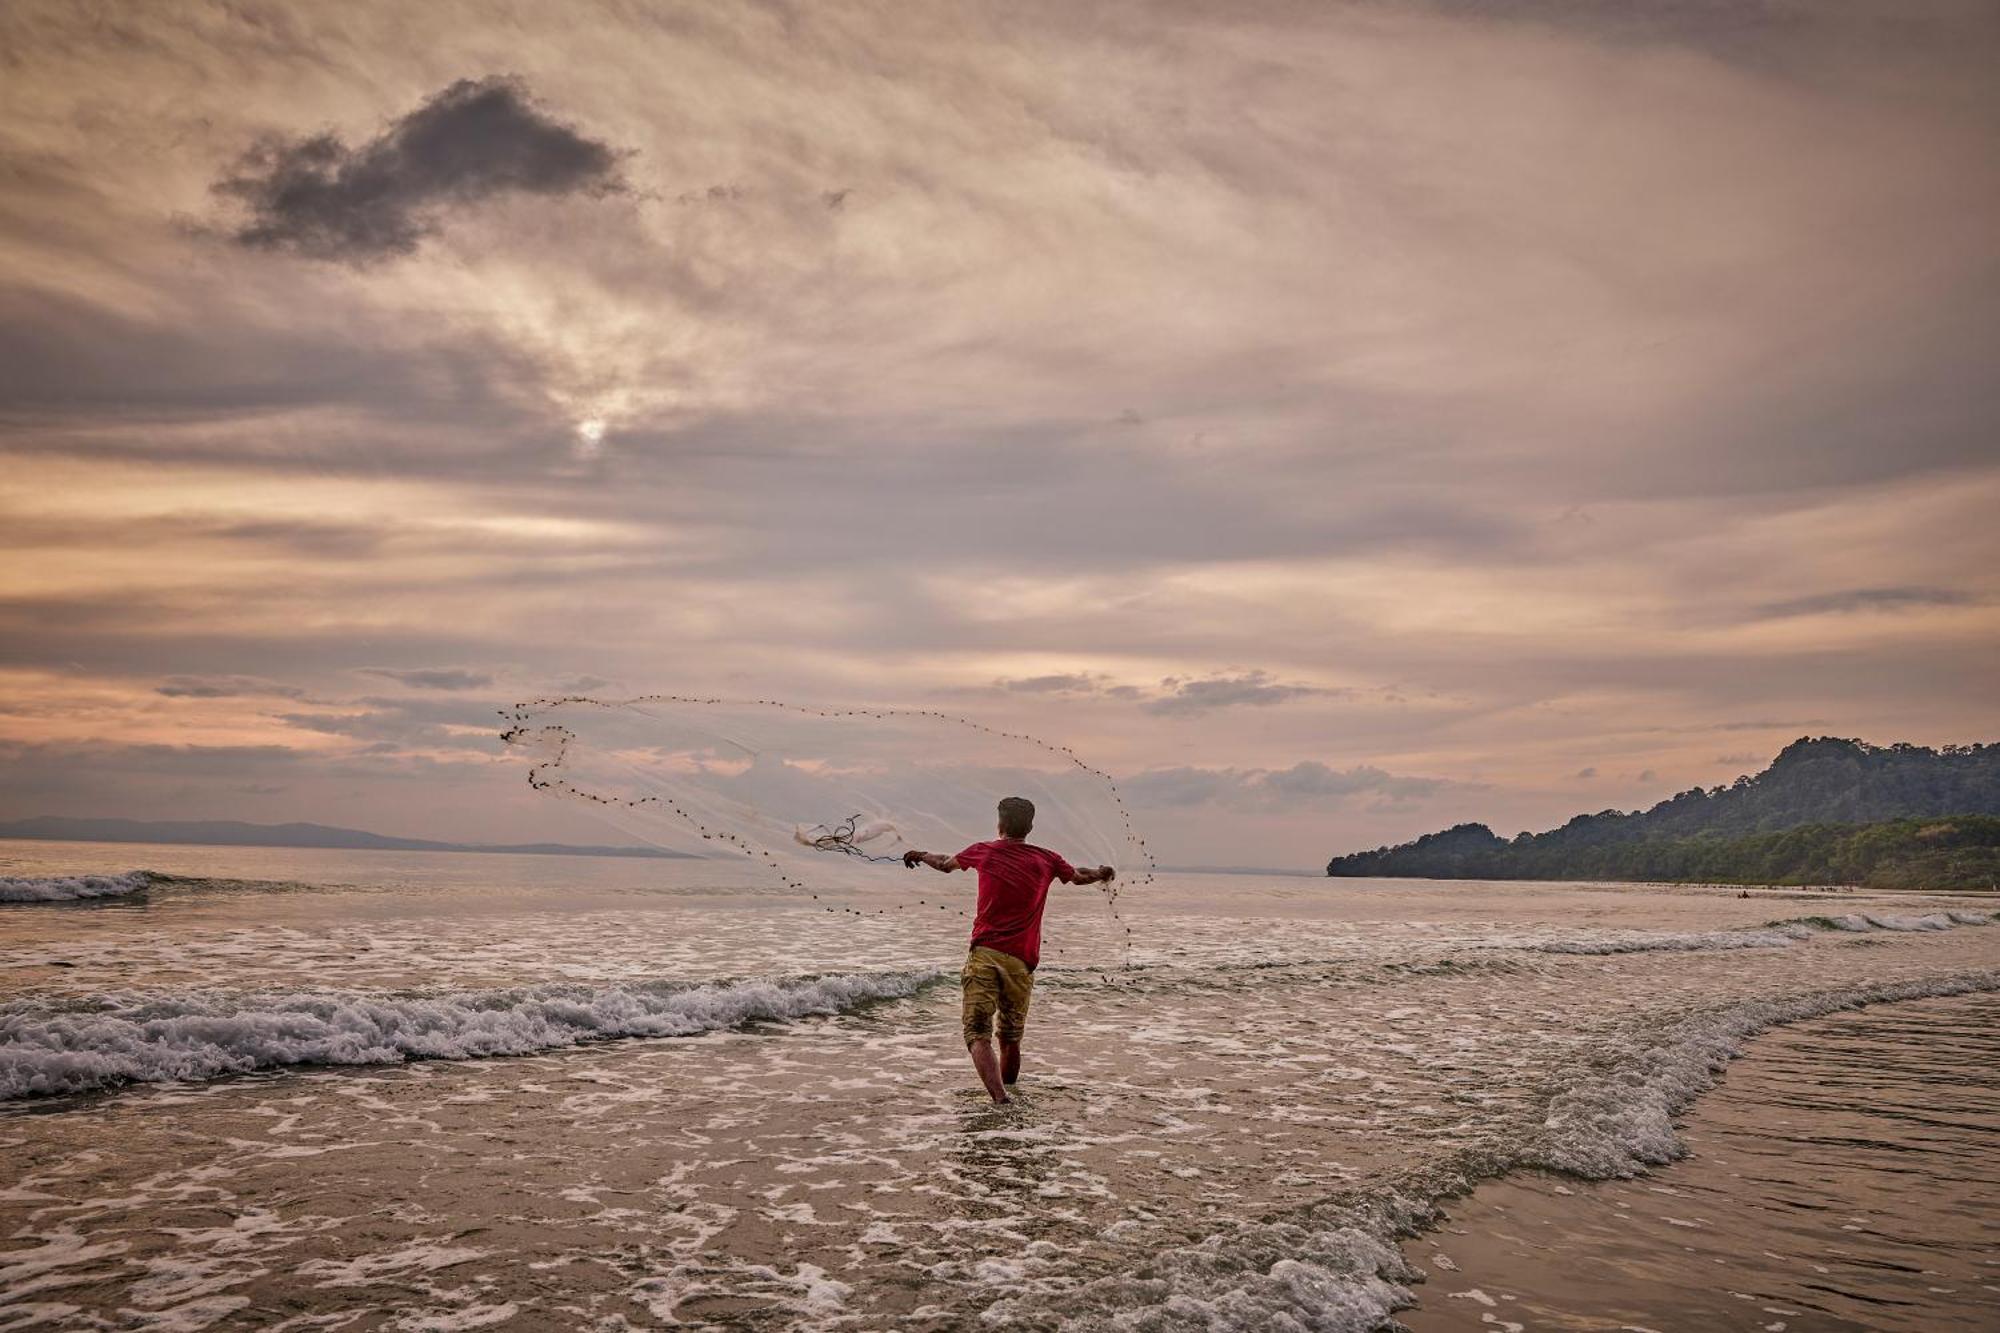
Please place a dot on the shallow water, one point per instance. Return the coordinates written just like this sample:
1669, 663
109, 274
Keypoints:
1229, 1131
1841, 1180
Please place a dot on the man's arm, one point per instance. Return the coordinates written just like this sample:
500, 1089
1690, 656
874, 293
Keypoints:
936, 861
1092, 875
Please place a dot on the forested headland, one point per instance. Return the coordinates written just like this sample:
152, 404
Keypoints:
1827, 811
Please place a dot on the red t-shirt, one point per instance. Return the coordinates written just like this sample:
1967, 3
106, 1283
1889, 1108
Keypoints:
1013, 886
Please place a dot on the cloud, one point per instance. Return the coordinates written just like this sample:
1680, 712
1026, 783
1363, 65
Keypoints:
1852, 600
1055, 684
329, 541
385, 791
1365, 365
476, 140
225, 687
397, 726
1306, 784
1312, 779
1256, 689
1762, 726
433, 678
1176, 695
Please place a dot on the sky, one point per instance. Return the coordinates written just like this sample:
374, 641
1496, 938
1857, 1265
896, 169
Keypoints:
1338, 420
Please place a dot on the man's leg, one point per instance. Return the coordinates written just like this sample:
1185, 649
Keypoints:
1017, 987
980, 984
988, 1065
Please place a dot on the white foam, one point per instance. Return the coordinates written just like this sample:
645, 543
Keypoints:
1929, 921
70, 888
1339, 1269
1776, 935
1341, 1276
149, 1040
1619, 1122
472, 1316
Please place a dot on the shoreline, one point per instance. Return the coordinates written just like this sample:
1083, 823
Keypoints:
1358, 1263
1796, 1206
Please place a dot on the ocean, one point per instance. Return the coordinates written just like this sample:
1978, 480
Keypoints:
294, 1089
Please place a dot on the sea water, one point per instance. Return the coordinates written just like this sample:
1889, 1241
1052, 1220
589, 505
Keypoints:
294, 1089
1841, 1179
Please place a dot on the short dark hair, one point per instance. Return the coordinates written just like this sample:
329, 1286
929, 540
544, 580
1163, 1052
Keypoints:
1017, 816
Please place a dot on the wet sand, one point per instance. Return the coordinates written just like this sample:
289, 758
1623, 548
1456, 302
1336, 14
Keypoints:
1841, 1177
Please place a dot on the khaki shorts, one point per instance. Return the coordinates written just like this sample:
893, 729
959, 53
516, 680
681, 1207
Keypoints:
999, 984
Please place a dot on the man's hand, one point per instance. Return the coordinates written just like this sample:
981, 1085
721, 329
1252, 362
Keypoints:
912, 858
1105, 874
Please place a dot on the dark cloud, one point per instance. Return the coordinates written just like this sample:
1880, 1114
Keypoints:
135, 781
1850, 600
1176, 695
1055, 684
1256, 689
476, 140
163, 383
393, 726
1761, 726
434, 678
1304, 785
331, 541
254, 782
1759, 34
225, 687
1311, 779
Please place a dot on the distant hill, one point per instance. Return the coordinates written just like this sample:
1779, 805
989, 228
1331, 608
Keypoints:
1838, 787
234, 833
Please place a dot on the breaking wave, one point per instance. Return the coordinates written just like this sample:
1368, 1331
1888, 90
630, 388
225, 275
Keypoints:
1776, 935
117, 1040
1336, 1266
1620, 1122
71, 888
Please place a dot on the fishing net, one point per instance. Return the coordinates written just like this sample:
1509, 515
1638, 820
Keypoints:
823, 801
